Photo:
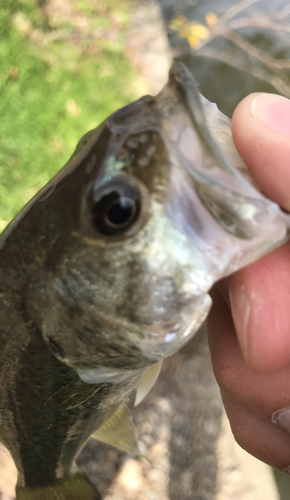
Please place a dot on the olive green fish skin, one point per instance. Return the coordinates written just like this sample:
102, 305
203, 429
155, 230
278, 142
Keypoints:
46, 412
56, 279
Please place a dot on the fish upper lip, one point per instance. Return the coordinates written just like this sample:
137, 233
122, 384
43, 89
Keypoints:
182, 82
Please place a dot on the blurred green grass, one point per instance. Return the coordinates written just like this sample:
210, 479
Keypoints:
63, 71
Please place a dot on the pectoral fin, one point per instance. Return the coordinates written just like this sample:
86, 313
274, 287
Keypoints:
147, 381
119, 431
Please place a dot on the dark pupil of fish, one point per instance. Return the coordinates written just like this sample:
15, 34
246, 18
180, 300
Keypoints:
114, 212
120, 212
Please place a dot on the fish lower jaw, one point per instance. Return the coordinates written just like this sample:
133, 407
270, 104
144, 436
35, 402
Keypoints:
159, 341
163, 339
107, 375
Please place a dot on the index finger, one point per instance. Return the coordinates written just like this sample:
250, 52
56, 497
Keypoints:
261, 132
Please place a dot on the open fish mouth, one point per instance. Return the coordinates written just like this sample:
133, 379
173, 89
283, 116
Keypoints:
210, 201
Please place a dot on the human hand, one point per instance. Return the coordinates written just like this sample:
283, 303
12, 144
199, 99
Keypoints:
249, 325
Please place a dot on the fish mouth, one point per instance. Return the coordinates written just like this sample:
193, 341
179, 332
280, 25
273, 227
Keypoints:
226, 218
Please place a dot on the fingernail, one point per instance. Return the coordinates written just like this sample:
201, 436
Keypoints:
282, 418
272, 111
241, 309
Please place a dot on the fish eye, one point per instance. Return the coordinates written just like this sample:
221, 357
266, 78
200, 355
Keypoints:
114, 207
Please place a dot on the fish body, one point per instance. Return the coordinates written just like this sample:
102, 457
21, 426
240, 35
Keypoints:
107, 271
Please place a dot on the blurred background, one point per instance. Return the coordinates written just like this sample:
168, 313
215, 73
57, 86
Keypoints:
63, 70
65, 65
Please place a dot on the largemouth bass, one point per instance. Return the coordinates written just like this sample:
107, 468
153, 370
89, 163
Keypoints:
107, 271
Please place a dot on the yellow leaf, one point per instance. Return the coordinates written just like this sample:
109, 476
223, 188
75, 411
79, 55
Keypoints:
211, 19
193, 41
200, 31
193, 32
196, 33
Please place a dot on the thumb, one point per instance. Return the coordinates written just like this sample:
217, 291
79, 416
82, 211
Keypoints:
260, 293
261, 132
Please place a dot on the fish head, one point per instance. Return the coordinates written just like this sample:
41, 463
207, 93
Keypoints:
150, 213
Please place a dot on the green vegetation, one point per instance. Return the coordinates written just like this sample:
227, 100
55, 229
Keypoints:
63, 71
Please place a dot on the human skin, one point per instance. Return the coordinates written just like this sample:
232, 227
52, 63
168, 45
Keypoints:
249, 324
